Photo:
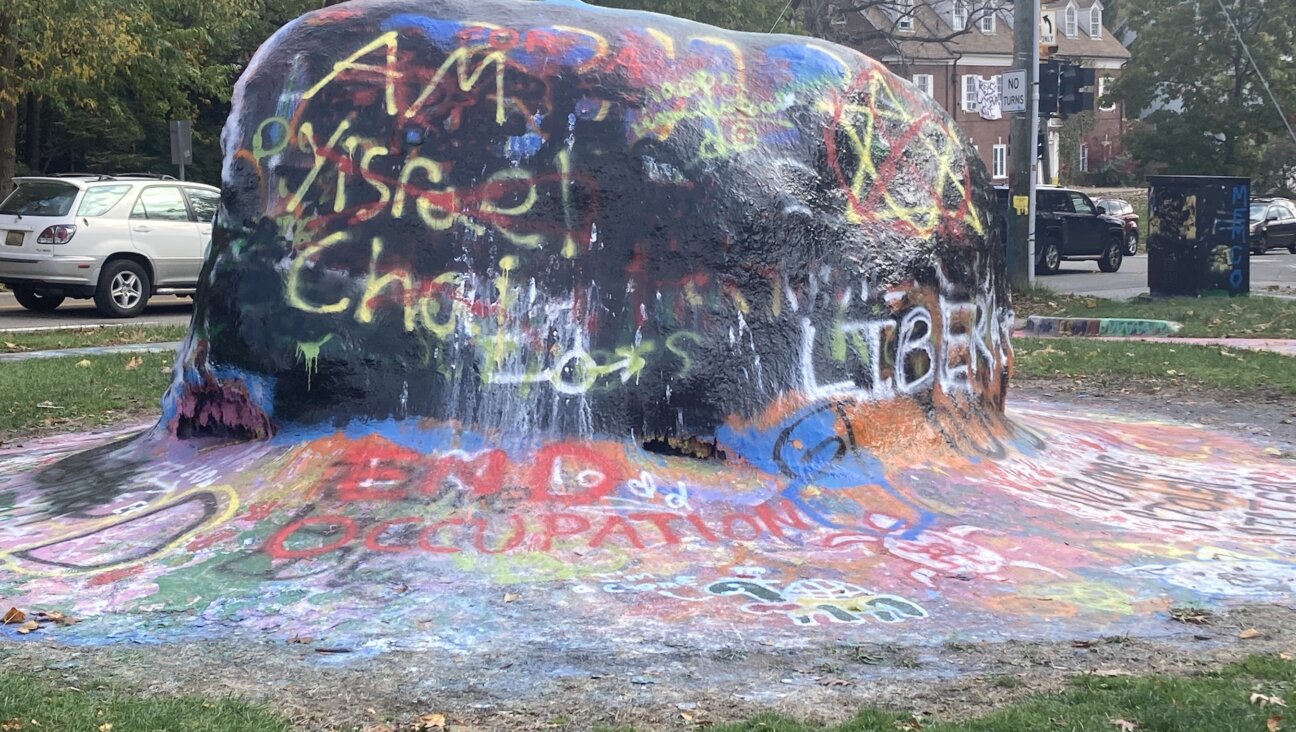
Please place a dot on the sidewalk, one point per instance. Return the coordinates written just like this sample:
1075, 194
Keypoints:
1286, 347
91, 351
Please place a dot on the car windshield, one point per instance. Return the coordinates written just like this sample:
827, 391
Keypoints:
40, 198
1258, 211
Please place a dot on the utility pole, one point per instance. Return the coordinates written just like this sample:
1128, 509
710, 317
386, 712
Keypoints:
1024, 133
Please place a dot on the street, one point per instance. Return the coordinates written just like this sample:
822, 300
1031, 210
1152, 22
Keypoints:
1273, 270
162, 310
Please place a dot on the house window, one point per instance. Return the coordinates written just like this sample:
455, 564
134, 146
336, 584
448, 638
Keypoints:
924, 83
987, 20
999, 161
906, 21
959, 15
970, 92
1104, 85
1084, 158
1095, 20
1072, 21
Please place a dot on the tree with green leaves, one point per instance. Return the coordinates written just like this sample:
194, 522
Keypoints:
102, 77
1210, 112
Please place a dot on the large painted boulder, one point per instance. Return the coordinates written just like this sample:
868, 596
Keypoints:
556, 219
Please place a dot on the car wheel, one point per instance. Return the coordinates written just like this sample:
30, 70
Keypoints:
124, 289
1050, 259
1262, 245
36, 302
1112, 257
1131, 243
1292, 247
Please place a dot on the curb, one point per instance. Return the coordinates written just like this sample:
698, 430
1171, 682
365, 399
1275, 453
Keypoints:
1046, 326
90, 351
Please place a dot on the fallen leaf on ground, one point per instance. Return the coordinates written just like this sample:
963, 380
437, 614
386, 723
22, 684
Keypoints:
83, 363
1273, 724
48, 405
55, 617
1286, 655
301, 639
1267, 701
11, 345
834, 681
105, 727
1250, 633
686, 716
1111, 672
13, 616
1124, 725
1190, 615
1083, 644
12, 724
908, 725
432, 721
134, 363
509, 597
28, 627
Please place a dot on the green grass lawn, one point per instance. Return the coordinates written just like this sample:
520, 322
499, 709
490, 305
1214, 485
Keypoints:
81, 337
1220, 317
1216, 702
48, 392
34, 704
1243, 697
1212, 366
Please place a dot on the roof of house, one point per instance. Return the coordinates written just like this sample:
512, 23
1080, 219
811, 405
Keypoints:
933, 25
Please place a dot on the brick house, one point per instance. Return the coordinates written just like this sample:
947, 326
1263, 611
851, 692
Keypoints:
943, 46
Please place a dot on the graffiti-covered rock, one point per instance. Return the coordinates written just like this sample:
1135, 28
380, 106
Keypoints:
559, 219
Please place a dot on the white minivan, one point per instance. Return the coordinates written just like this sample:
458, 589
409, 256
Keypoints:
118, 239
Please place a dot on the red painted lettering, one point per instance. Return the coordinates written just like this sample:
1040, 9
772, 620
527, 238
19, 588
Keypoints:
791, 518
616, 524
425, 539
573, 475
373, 536
729, 522
479, 537
552, 529
277, 546
662, 522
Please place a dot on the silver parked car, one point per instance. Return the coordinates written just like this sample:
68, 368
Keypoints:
117, 239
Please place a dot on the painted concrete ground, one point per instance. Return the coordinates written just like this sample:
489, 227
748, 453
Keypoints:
379, 538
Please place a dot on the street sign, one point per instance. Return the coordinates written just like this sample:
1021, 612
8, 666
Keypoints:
1013, 95
181, 144
1048, 28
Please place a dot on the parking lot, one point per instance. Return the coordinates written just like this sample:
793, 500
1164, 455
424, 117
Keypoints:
1273, 273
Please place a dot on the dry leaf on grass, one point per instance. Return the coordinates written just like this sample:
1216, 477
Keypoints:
83, 363
834, 681
1265, 701
509, 597
105, 727
13, 724
28, 627
1124, 725
1286, 655
13, 616
431, 721
134, 363
1250, 633
1111, 672
1273, 724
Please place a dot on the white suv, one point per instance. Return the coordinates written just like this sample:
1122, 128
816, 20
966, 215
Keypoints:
119, 239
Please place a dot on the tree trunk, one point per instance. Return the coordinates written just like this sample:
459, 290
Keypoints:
32, 130
8, 111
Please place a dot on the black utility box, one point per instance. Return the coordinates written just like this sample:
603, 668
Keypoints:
1198, 227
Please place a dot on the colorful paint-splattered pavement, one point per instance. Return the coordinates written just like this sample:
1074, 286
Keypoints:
379, 538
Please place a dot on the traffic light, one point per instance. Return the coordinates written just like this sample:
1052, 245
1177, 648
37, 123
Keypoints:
1075, 90
1048, 88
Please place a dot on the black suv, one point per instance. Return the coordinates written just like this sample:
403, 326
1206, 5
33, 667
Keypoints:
1069, 226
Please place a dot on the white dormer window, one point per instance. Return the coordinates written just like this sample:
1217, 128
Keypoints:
1095, 21
959, 15
987, 20
1072, 21
906, 21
